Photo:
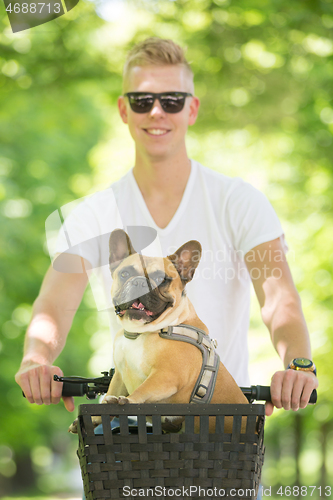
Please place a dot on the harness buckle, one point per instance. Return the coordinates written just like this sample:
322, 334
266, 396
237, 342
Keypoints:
201, 391
167, 330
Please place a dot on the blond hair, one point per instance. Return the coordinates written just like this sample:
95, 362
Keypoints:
155, 51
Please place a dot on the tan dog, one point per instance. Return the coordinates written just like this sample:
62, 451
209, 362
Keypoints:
149, 295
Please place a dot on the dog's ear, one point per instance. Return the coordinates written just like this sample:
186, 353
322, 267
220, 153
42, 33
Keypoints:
186, 259
120, 247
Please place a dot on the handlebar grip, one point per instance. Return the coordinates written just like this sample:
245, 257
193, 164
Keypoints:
263, 393
72, 389
313, 397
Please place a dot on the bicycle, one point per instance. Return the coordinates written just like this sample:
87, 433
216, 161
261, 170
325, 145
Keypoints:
130, 459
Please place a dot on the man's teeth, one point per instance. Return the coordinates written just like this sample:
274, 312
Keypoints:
156, 131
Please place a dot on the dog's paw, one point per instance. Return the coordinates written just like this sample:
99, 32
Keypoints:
122, 400
172, 424
73, 427
96, 420
110, 400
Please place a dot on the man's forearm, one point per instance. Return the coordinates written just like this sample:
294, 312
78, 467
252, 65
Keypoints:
46, 334
281, 312
289, 332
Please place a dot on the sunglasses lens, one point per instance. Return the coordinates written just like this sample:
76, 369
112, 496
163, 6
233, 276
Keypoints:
172, 103
141, 104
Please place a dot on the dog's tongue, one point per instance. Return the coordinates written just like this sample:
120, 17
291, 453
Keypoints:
135, 305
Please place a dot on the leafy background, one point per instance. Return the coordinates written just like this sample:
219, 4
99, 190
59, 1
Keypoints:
263, 72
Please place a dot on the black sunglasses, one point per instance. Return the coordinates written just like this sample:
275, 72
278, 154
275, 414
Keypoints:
171, 102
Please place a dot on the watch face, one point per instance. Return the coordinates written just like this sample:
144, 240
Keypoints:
303, 362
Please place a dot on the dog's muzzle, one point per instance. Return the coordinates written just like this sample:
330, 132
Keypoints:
140, 294
134, 289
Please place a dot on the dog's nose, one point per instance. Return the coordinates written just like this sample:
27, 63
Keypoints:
140, 281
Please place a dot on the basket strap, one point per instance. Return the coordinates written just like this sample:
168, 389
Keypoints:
205, 384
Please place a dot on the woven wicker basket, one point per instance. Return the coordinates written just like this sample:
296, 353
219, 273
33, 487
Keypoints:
143, 461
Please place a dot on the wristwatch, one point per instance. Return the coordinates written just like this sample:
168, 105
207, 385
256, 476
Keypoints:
303, 364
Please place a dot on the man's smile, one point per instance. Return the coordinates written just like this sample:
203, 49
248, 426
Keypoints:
156, 131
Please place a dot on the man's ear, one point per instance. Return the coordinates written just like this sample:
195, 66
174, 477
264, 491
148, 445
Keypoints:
122, 108
194, 110
186, 259
120, 247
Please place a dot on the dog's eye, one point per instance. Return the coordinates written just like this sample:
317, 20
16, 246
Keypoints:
159, 280
124, 274
162, 280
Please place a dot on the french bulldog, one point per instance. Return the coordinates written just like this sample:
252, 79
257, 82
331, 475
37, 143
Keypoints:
149, 294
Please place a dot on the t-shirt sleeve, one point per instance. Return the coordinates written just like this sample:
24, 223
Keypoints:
251, 218
86, 230
80, 235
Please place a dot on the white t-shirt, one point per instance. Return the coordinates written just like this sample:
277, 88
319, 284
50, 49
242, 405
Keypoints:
228, 216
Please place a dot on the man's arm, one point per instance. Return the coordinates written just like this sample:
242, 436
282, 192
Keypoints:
282, 313
53, 313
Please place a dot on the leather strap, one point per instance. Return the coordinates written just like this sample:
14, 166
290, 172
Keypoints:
131, 335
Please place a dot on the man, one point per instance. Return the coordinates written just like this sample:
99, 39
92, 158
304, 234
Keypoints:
182, 200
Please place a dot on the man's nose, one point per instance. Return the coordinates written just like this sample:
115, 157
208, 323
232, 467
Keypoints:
157, 109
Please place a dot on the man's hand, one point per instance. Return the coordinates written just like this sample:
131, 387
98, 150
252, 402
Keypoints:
36, 381
291, 389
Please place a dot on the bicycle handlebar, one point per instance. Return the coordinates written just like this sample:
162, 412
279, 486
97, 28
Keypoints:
92, 387
78, 386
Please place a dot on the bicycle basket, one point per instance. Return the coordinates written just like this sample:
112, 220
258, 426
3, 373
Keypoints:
147, 462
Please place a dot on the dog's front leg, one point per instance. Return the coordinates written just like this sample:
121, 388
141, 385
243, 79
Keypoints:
156, 388
116, 388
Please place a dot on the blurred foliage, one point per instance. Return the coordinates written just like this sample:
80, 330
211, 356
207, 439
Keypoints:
263, 71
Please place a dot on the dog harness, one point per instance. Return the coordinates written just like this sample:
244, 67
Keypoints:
205, 384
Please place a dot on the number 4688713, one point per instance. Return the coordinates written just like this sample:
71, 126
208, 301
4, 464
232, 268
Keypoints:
303, 491
34, 8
